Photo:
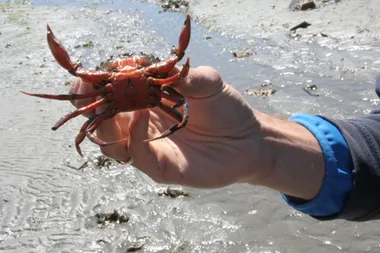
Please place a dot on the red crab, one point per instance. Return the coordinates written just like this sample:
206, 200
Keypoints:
125, 84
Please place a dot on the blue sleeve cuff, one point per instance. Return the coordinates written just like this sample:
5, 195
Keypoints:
337, 182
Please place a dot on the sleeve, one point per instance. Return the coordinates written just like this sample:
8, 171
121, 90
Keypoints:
337, 183
360, 200
363, 138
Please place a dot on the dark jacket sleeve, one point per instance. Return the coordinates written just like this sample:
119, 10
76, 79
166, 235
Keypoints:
362, 135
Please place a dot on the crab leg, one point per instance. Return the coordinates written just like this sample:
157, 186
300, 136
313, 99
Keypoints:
66, 96
62, 57
80, 111
184, 38
59, 52
175, 114
174, 96
82, 134
162, 67
95, 77
179, 52
184, 72
171, 94
94, 125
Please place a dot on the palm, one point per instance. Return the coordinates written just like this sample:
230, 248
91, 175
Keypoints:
204, 144
213, 142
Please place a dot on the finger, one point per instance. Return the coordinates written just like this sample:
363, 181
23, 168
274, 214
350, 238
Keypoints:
80, 87
201, 82
110, 131
75, 86
83, 89
138, 132
141, 152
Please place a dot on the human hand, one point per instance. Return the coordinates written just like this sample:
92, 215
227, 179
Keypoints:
218, 146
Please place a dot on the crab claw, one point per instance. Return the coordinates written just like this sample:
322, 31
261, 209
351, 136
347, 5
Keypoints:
59, 52
184, 38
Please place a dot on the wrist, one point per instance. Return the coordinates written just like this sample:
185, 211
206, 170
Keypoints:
291, 160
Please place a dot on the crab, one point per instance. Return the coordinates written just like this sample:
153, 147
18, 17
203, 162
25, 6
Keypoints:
125, 84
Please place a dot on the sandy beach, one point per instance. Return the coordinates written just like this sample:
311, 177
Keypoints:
337, 19
346, 25
51, 199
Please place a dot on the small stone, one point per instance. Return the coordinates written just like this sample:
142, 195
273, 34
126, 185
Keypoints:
260, 92
242, 53
304, 24
302, 5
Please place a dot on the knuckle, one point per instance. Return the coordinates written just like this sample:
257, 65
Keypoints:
210, 74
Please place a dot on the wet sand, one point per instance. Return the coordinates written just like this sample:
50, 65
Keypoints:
337, 19
48, 202
346, 25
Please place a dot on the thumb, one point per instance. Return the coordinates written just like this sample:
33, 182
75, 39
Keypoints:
200, 82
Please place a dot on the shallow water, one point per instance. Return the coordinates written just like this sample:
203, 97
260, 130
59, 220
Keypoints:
47, 206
